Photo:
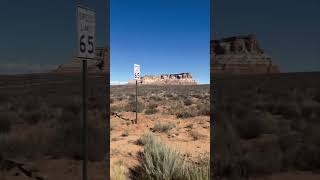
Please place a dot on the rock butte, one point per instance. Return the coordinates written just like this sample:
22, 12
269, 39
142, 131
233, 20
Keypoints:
240, 55
98, 65
167, 79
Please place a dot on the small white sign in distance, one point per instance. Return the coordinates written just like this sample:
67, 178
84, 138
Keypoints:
136, 70
86, 22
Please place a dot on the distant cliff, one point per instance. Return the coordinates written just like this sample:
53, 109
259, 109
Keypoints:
170, 79
240, 55
97, 65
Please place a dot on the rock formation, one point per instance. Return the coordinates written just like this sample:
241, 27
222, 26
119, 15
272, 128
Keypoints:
171, 79
97, 65
239, 55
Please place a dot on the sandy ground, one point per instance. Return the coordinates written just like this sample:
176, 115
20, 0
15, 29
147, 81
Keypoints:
125, 148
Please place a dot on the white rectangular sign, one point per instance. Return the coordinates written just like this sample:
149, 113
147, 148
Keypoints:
86, 22
136, 70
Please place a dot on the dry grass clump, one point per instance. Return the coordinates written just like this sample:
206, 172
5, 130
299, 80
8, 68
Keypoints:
119, 171
163, 127
158, 162
146, 138
125, 134
196, 135
187, 102
131, 106
151, 109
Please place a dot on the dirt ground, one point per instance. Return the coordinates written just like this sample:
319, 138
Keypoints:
190, 136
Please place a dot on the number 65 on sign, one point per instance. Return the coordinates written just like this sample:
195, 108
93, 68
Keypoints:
86, 22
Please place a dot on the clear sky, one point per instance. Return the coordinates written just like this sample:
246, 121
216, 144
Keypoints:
163, 36
288, 30
40, 34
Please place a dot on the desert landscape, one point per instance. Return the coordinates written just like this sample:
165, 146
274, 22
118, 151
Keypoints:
267, 126
171, 139
40, 127
266, 121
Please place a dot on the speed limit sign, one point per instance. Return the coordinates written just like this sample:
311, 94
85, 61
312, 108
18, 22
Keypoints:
86, 22
136, 70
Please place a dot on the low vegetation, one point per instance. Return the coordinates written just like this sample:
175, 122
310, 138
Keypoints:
267, 129
163, 127
159, 162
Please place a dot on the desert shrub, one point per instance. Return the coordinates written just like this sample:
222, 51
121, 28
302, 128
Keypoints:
263, 156
112, 126
203, 109
184, 114
125, 134
117, 108
132, 97
114, 139
159, 127
250, 127
169, 95
6, 122
189, 126
158, 162
146, 138
199, 171
151, 109
118, 171
33, 142
196, 135
131, 106
155, 98
175, 107
70, 137
187, 102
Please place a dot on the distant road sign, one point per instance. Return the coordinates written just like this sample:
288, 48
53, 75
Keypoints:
86, 22
136, 71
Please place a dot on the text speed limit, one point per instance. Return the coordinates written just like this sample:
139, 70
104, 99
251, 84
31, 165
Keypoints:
86, 33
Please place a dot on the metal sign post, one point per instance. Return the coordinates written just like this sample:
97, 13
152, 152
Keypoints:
85, 51
136, 69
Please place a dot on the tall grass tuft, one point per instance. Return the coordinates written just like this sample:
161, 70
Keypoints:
158, 162
118, 171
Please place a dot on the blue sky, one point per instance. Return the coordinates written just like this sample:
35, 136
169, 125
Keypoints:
40, 33
163, 36
289, 31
